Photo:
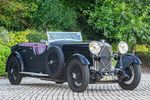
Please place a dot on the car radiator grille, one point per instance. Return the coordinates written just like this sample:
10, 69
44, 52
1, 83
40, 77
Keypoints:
105, 61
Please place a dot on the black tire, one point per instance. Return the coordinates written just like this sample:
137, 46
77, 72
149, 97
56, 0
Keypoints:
55, 62
77, 76
13, 69
134, 72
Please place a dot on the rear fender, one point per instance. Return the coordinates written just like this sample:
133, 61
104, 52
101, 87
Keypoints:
16, 54
127, 60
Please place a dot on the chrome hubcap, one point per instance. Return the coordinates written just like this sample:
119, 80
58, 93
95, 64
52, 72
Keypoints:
76, 79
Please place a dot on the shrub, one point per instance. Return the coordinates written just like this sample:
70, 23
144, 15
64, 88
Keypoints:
17, 37
36, 37
12, 38
4, 36
142, 48
4, 53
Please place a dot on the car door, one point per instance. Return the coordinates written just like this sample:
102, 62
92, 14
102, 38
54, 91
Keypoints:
27, 55
38, 58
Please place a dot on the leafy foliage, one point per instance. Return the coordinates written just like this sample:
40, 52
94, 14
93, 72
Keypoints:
4, 53
114, 20
14, 14
126, 20
142, 48
40, 14
36, 37
4, 36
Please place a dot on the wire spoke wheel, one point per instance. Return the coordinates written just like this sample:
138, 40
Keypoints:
55, 62
14, 71
130, 71
134, 73
77, 75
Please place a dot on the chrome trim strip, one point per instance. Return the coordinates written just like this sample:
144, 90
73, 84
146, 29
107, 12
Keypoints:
34, 74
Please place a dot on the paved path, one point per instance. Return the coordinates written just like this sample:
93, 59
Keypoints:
36, 89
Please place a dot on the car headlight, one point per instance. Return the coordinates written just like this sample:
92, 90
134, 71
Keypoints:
123, 47
94, 47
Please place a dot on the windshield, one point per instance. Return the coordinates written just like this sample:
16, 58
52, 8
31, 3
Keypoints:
55, 36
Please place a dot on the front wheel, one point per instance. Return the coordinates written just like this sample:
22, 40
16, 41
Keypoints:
77, 76
134, 73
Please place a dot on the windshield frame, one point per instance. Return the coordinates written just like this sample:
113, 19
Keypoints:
52, 40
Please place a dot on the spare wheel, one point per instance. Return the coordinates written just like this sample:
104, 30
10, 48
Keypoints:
55, 62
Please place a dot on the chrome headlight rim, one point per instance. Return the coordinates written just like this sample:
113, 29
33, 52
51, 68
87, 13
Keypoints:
94, 47
123, 47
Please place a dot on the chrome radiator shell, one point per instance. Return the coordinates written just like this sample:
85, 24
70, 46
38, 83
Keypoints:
104, 63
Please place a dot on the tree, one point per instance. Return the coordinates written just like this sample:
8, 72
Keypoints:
82, 6
14, 14
122, 19
116, 20
39, 14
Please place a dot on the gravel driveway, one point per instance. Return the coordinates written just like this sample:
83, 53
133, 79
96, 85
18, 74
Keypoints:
36, 89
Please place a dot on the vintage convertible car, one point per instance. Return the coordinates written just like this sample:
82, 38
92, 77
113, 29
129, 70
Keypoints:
66, 58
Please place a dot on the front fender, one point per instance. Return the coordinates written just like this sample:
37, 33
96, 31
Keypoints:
127, 60
82, 58
16, 54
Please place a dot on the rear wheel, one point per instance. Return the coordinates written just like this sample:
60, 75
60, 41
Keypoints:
77, 76
13, 71
134, 73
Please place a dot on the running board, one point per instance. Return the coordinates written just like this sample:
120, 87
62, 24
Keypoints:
34, 74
